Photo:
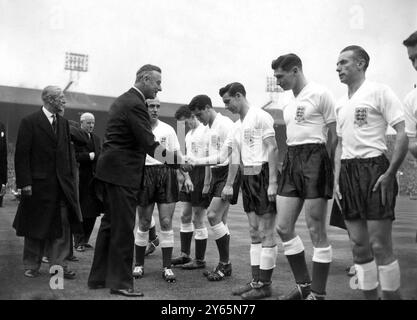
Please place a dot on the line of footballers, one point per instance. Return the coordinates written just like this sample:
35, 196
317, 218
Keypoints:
226, 155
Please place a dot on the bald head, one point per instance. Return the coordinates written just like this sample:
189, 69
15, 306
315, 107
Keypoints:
87, 116
87, 122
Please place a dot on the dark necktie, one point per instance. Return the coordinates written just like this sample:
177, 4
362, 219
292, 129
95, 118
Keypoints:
54, 123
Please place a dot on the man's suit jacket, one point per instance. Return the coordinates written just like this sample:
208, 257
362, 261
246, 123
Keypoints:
90, 208
127, 140
43, 160
3, 155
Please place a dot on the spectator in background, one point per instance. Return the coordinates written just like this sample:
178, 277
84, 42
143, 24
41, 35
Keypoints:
45, 173
87, 158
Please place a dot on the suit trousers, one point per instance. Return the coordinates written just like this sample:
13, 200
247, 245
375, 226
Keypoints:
88, 226
58, 249
113, 254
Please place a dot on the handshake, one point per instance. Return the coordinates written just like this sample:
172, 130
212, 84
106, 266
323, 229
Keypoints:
188, 164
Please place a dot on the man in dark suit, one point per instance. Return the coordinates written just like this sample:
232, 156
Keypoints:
44, 172
87, 158
119, 173
3, 162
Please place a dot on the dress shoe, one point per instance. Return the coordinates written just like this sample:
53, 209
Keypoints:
131, 293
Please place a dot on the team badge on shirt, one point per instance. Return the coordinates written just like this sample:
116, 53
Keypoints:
361, 116
194, 148
215, 142
300, 114
248, 137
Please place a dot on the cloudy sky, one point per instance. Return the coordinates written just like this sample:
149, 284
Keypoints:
200, 45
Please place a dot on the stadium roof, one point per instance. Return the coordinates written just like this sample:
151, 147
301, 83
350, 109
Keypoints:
82, 101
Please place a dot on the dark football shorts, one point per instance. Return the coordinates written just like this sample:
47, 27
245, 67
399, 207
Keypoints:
307, 172
218, 181
196, 197
255, 192
159, 186
356, 181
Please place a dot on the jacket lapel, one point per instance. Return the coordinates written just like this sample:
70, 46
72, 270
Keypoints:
135, 92
46, 126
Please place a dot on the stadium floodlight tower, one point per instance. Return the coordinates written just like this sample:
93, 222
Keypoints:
273, 89
75, 63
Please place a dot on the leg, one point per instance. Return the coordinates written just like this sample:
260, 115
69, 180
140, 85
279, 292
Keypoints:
186, 234
113, 255
88, 226
143, 218
215, 215
315, 213
380, 233
60, 248
166, 212
289, 209
201, 235
267, 258
32, 255
152, 230
363, 258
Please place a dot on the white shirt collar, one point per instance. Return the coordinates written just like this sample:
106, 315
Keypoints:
48, 114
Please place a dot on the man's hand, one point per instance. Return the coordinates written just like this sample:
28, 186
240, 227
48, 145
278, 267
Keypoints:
92, 156
2, 190
190, 160
186, 167
337, 195
386, 183
26, 191
227, 193
188, 185
272, 191
206, 189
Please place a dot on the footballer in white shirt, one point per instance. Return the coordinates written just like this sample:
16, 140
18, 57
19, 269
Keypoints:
410, 103
218, 129
307, 175
160, 186
194, 203
365, 180
251, 143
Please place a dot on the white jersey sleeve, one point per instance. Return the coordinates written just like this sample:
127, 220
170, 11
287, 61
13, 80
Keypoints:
391, 107
410, 114
326, 106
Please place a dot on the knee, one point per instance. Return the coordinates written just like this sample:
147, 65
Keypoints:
198, 223
361, 253
212, 218
255, 234
382, 252
144, 224
165, 223
284, 231
185, 219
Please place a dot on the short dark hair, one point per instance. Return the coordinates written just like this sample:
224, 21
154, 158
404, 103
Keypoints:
145, 70
360, 53
183, 112
411, 41
232, 89
286, 62
200, 102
